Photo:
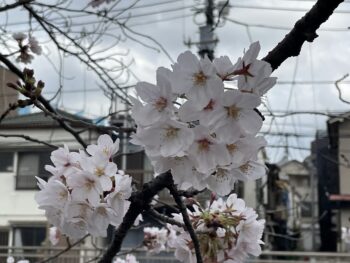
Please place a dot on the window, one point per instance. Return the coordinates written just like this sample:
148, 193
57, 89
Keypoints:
4, 241
28, 236
306, 209
31, 237
6, 162
135, 166
31, 164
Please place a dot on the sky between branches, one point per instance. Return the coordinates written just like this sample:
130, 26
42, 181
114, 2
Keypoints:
327, 59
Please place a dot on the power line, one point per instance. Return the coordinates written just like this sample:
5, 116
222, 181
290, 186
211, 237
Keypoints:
96, 21
97, 14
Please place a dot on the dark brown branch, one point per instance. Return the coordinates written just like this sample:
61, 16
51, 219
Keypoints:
11, 108
14, 5
139, 202
43, 101
28, 138
304, 30
153, 213
189, 227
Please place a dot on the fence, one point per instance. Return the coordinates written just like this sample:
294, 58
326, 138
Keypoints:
84, 255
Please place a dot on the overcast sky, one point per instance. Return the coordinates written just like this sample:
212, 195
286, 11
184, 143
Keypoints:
327, 59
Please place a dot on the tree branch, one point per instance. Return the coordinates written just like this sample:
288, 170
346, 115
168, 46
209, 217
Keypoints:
303, 30
43, 101
139, 202
153, 213
189, 227
14, 5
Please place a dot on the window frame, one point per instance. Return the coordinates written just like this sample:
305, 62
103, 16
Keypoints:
41, 162
13, 161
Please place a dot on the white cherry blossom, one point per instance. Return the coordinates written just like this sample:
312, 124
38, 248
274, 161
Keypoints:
196, 78
34, 45
224, 67
100, 167
54, 235
168, 139
207, 152
158, 100
64, 160
105, 147
238, 117
85, 186
155, 239
101, 217
53, 194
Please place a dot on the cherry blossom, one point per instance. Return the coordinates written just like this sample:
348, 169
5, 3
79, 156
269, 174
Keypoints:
86, 193
129, 258
200, 121
158, 100
155, 239
169, 139
196, 78
34, 45
24, 48
205, 135
54, 235
228, 231
105, 147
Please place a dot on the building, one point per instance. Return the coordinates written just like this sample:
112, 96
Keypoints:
291, 206
339, 143
21, 222
7, 95
302, 215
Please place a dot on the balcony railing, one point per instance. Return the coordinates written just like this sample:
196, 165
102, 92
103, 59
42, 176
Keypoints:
77, 255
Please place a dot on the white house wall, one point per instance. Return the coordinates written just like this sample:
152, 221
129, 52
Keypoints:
19, 205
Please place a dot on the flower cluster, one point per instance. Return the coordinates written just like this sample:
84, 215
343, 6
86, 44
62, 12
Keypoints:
194, 124
228, 232
86, 192
158, 239
32, 45
128, 259
11, 259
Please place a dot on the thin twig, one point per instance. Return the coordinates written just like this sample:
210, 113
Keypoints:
49, 259
339, 90
189, 227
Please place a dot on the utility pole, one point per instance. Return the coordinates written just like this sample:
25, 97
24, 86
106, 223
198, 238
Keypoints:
207, 40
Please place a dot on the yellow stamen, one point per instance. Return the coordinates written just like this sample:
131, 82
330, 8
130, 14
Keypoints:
199, 78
